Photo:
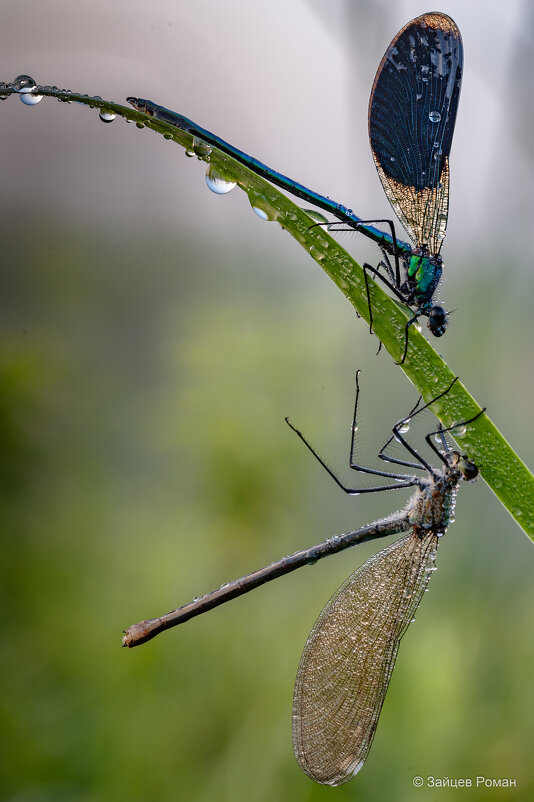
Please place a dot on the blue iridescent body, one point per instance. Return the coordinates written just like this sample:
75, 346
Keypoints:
340, 211
412, 112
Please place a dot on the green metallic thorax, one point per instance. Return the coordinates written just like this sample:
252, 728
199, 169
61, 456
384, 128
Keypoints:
424, 273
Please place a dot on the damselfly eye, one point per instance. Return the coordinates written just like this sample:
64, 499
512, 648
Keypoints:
437, 321
467, 468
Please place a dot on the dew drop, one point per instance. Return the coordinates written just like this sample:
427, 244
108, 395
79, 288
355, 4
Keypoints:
517, 511
404, 427
24, 84
29, 99
190, 154
434, 116
318, 254
317, 216
261, 206
107, 116
217, 183
459, 431
201, 148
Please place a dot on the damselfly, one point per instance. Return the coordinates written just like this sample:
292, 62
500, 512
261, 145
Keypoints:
412, 112
350, 653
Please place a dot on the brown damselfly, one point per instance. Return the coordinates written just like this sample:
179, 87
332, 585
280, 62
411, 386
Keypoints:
348, 658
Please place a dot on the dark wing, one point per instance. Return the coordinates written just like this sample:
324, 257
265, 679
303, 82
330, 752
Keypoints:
412, 111
346, 665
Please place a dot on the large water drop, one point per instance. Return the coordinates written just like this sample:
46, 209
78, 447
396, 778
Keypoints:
107, 116
217, 183
24, 84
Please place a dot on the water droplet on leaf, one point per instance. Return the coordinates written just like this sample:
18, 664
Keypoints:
317, 216
201, 148
217, 183
260, 212
24, 84
459, 431
261, 206
107, 116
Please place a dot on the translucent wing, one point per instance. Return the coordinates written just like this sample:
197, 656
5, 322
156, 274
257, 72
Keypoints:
347, 662
412, 112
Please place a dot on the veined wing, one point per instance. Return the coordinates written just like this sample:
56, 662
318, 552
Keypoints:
412, 112
346, 665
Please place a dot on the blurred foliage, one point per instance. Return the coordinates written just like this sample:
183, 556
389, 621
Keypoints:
145, 460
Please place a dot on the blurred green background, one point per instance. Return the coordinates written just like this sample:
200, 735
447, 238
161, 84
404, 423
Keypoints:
154, 337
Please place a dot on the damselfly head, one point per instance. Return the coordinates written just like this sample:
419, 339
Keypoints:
437, 321
140, 104
467, 467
